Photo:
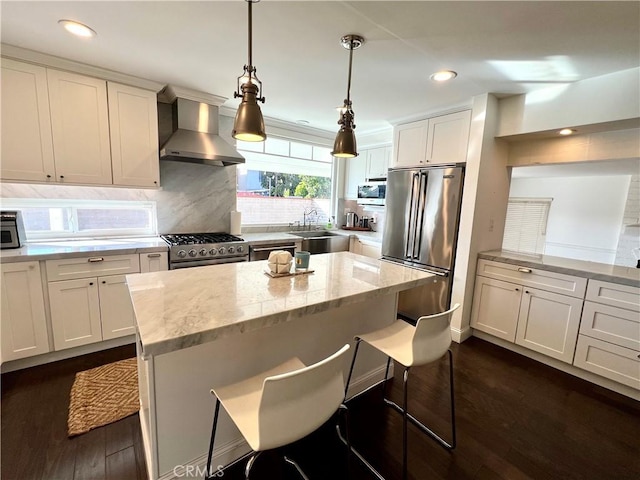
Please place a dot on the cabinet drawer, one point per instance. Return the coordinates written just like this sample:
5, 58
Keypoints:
623, 296
611, 324
533, 277
97, 265
611, 361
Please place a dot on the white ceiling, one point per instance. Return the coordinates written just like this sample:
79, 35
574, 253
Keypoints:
499, 47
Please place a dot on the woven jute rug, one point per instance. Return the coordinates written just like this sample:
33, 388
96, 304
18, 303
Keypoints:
103, 395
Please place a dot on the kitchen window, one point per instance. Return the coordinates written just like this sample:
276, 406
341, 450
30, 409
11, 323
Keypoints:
46, 219
282, 179
525, 228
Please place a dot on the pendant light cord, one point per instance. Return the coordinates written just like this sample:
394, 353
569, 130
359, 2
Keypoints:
349, 78
250, 40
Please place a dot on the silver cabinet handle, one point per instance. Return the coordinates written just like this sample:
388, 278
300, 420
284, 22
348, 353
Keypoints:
96, 259
524, 270
153, 255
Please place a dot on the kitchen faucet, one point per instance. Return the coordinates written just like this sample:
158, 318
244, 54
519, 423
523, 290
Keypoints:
304, 217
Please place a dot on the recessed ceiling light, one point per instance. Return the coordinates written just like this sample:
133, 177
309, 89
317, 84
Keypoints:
443, 75
566, 131
302, 122
77, 28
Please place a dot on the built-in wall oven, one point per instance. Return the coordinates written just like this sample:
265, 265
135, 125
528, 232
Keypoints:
200, 249
11, 229
261, 252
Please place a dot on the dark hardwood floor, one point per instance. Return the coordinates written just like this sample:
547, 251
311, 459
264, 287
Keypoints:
517, 419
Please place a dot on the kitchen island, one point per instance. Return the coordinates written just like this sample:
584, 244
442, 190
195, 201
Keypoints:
213, 325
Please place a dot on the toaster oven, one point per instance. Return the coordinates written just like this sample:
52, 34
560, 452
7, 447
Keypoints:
11, 229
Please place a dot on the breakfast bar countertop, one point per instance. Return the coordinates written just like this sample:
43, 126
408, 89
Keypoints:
579, 268
182, 308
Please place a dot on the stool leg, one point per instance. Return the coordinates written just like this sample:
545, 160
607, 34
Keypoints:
404, 425
213, 437
345, 411
296, 466
453, 403
247, 468
353, 362
386, 376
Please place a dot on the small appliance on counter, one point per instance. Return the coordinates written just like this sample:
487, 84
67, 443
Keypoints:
12, 229
351, 220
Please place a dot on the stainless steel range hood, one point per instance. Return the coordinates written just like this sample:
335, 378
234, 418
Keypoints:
189, 133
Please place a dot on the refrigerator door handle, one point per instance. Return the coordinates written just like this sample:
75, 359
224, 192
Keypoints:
421, 206
411, 236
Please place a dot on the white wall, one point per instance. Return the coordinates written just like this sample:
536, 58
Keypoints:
586, 213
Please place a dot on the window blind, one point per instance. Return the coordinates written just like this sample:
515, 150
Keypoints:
526, 225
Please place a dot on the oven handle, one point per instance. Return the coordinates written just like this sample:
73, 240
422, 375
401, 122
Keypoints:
267, 249
202, 263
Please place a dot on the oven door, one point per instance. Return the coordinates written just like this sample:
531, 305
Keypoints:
9, 236
262, 253
202, 263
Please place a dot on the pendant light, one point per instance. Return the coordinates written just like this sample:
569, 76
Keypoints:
249, 124
345, 143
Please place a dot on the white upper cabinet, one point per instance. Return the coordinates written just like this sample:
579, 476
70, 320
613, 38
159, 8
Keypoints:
410, 144
80, 125
378, 162
133, 125
437, 140
448, 138
63, 127
27, 148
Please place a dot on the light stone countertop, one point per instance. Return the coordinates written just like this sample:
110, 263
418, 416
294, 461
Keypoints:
579, 268
182, 308
54, 250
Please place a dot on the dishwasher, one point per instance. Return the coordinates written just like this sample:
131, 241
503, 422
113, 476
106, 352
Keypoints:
261, 252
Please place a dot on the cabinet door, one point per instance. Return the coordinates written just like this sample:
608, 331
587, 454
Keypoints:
448, 138
27, 147
495, 307
549, 323
116, 310
133, 125
75, 312
23, 321
378, 162
355, 246
356, 171
80, 123
608, 360
154, 262
370, 250
410, 144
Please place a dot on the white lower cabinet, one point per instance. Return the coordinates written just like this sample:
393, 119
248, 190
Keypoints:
75, 312
537, 319
366, 249
24, 326
87, 307
548, 323
116, 312
154, 262
609, 340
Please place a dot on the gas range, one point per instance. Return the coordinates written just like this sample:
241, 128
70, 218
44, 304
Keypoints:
198, 249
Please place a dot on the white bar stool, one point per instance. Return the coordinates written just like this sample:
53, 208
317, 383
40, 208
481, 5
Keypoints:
282, 405
412, 346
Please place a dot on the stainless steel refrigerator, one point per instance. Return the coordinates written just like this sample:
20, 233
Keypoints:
421, 231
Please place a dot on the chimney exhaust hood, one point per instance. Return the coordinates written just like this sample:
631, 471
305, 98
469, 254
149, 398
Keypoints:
188, 129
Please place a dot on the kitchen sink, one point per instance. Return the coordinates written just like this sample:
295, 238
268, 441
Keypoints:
321, 241
314, 234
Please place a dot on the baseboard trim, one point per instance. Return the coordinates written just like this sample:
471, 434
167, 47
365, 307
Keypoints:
564, 367
50, 357
460, 335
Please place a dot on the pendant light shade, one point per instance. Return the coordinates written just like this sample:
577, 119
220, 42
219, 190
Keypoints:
249, 123
345, 144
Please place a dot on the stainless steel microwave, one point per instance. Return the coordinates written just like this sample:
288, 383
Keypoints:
372, 193
11, 229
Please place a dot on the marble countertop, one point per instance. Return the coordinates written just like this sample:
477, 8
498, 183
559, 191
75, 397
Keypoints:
276, 237
182, 308
53, 250
579, 268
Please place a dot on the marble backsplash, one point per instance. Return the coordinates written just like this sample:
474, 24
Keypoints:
192, 198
